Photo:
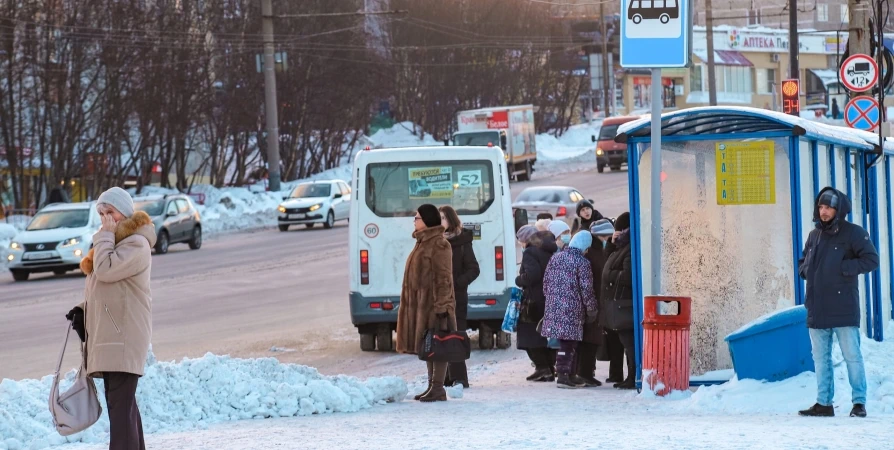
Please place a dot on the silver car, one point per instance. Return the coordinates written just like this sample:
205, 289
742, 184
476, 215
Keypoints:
560, 201
176, 220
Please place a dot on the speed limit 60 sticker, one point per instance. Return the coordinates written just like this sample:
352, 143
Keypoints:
371, 230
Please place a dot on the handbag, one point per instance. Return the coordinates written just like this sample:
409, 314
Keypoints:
619, 313
444, 345
526, 310
78, 408
510, 318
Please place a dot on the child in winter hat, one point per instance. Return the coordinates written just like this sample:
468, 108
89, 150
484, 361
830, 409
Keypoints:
581, 241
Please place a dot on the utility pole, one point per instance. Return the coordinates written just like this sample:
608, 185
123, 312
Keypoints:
606, 87
712, 76
859, 36
270, 105
793, 45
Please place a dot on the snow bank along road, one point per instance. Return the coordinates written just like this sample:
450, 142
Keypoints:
241, 294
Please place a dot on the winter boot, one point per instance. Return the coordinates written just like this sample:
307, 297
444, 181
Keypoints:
859, 410
566, 381
627, 384
591, 381
542, 374
436, 393
818, 410
430, 366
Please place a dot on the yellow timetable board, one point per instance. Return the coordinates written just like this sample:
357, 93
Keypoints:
746, 173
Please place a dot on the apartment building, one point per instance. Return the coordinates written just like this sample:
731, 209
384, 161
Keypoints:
823, 15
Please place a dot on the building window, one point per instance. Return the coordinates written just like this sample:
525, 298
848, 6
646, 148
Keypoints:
766, 78
845, 14
754, 17
695, 78
822, 13
737, 79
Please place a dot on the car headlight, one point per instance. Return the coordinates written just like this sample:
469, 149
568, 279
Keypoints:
599, 152
316, 207
15, 246
281, 209
70, 242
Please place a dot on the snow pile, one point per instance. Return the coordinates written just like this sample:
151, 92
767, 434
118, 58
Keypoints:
7, 232
402, 134
799, 392
195, 393
575, 143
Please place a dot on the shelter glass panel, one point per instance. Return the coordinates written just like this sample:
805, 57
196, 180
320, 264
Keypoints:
840, 174
858, 217
825, 172
884, 237
808, 195
711, 249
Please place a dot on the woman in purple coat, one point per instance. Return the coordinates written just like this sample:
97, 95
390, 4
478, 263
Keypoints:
570, 302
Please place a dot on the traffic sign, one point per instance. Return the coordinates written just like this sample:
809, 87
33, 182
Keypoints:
859, 73
656, 33
862, 113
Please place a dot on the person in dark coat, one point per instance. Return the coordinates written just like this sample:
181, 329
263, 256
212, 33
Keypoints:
836, 110
570, 303
465, 271
617, 295
594, 336
587, 215
539, 249
835, 254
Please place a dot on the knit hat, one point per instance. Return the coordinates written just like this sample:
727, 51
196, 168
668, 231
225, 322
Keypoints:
120, 200
557, 227
430, 215
622, 222
581, 241
525, 233
829, 198
584, 204
602, 227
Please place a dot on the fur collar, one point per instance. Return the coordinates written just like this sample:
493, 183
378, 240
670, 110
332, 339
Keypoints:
126, 228
429, 233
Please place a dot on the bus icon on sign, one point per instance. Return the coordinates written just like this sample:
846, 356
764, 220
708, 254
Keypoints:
653, 19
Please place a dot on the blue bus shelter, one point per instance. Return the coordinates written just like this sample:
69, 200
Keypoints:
738, 189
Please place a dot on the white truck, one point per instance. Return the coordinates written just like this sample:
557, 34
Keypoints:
510, 127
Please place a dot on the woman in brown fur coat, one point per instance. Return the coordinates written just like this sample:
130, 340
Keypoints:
115, 318
427, 300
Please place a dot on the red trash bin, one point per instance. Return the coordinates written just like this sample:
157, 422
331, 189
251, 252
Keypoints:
666, 345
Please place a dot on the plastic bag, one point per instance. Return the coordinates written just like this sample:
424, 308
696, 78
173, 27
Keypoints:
510, 319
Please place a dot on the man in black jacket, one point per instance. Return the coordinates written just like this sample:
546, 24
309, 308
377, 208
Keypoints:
835, 254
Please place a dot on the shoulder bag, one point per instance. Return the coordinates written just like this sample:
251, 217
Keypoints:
78, 408
619, 312
444, 346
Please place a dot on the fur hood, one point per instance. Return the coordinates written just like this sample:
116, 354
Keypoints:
140, 223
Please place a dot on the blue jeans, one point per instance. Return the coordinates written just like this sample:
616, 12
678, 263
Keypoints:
849, 341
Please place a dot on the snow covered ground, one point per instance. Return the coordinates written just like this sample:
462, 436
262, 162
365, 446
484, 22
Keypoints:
501, 410
196, 393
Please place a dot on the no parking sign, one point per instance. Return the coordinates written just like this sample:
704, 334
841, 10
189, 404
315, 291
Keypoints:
862, 113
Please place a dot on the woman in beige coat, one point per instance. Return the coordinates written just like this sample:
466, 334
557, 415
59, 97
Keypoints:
115, 318
427, 299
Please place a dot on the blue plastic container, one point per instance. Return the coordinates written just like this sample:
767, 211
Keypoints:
773, 347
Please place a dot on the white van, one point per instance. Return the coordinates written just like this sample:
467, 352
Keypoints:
389, 185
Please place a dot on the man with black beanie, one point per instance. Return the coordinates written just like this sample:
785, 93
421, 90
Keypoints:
835, 254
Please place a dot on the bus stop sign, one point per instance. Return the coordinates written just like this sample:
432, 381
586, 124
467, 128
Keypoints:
656, 33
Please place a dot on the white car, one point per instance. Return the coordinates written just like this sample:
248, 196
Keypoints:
316, 202
56, 240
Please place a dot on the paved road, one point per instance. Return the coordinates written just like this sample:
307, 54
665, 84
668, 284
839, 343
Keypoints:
241, 294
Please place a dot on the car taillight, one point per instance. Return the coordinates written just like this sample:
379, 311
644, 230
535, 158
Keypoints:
375, 305
498, 263
364, 267
490, 302
562, 212
388, 306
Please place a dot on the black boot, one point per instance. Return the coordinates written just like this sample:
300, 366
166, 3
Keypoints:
569, 382
818, 410
859, 410
429, 366
436, 393
627, 384
591, 381
542, 374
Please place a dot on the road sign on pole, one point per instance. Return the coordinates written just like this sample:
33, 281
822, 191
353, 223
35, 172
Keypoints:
862, 113
656, 34
859, 73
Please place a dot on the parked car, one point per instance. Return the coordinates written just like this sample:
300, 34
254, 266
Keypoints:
316, 202
176, 220
608, 152
55, 240
560, 201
